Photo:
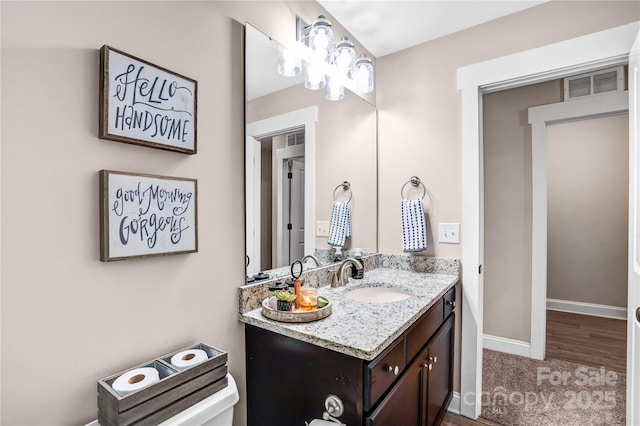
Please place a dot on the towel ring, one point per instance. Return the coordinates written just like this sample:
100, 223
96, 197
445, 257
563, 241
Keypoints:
346, 186
415, 182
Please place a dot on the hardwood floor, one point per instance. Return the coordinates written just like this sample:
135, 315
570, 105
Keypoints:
588, 340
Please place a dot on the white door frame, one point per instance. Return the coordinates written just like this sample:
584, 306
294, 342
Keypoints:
307, 117
539, 118
633, 323
598, 50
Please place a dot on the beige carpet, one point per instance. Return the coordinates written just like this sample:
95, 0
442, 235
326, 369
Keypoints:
522, 391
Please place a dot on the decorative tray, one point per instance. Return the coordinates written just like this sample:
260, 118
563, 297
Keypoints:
295, 315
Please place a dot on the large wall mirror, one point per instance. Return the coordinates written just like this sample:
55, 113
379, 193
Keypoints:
299, 148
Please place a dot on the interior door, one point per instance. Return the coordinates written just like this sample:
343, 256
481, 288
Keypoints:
633, 319
293, 206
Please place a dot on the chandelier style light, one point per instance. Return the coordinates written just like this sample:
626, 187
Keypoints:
327, 66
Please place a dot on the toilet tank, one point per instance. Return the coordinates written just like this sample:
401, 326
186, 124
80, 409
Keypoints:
215, 410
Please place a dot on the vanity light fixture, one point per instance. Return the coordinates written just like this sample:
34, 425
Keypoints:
327, 66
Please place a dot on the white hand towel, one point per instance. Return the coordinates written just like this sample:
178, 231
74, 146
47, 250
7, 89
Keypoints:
414, 231
339, 224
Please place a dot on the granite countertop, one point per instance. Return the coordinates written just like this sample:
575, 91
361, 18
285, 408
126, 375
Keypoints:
361, 329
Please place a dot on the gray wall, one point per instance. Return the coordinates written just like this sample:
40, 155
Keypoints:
588, 209
507, 207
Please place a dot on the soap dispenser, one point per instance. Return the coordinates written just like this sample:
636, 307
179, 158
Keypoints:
358, 273
337, 257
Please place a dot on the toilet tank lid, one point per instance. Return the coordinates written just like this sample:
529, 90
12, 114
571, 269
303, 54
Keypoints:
209, 407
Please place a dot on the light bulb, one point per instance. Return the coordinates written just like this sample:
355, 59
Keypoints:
289, 63
364, 74
335, 89
315, 78
345, 56
320, 39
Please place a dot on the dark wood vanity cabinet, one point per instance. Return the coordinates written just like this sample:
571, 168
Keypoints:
422, 395
409, 383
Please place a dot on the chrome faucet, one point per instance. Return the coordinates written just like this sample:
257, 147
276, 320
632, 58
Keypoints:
312, 257
338, 276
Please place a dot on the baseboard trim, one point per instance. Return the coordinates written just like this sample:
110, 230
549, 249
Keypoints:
509, 346
583, 308
454, 405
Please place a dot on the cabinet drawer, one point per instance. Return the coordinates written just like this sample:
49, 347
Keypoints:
418, 335
449, 302
382, 372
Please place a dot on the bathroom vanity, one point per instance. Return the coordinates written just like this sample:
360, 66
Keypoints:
389, 363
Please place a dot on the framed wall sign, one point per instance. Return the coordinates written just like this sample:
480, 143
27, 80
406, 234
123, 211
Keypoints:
146, 215
144, 104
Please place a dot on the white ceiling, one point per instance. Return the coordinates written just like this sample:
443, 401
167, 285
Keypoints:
384, 27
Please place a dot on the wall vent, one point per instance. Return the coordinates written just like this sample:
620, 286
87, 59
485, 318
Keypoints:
594, 83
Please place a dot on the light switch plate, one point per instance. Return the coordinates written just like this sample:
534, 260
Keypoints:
322, 228
449, 233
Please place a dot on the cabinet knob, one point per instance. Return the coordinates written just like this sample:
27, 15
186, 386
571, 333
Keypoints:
429, 366
452, 303
394, 370
434, 359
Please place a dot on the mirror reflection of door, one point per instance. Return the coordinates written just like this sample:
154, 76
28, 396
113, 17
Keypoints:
293, 211
278, 189
289, 179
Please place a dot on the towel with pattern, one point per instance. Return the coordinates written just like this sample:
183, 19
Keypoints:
414, 231
340, 223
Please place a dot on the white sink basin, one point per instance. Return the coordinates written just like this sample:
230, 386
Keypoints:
378, 294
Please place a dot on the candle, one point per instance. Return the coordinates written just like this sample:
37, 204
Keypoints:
308, 299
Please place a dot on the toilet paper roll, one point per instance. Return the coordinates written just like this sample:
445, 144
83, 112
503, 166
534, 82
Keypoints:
188, 358
135, 379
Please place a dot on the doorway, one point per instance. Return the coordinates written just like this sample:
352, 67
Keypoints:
521, 169
607, 48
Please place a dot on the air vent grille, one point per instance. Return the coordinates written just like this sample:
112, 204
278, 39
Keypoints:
579, 87
603, 81
295, 138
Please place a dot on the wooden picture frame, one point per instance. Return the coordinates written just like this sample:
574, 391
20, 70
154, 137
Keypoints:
144, 104
145, 215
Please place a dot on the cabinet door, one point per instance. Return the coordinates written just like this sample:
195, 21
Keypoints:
440, 377
403, 404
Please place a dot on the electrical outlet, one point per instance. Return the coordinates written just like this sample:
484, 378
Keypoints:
322, 228
449, 233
